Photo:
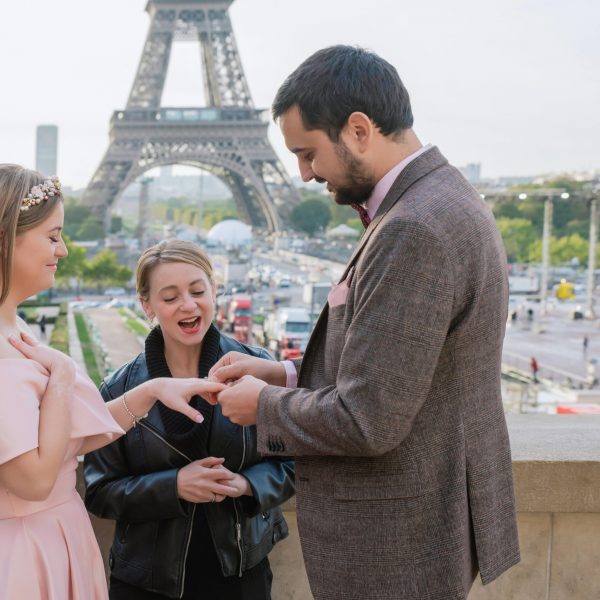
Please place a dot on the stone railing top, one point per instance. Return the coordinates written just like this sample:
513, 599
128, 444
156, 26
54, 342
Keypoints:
571, 438
556, 462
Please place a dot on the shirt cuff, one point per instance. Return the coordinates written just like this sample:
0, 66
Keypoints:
291, 376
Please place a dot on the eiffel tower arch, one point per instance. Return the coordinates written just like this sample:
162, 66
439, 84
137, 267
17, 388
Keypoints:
227, 138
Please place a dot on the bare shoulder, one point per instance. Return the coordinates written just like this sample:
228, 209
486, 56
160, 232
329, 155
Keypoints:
7, 350
22, 325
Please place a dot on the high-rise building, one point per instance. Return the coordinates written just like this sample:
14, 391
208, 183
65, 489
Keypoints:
46, 146
472, 172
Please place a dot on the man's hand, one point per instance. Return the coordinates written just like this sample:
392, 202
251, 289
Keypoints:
235, 365
239, 402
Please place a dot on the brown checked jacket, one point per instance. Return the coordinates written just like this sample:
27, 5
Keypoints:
403, 467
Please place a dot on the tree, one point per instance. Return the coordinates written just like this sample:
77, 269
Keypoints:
73, 264
517, 235
116, 223
562, 250
340, 214
91, 229
310, 216
75, 215
104, 270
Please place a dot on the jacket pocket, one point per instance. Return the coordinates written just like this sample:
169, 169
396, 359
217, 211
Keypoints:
380, 487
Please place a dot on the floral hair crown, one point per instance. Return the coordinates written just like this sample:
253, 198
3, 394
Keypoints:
40, 193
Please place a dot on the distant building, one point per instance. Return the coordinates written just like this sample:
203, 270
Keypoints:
516, 180
472, 172
46, 149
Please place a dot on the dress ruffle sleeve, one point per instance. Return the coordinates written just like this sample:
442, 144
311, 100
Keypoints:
23, 383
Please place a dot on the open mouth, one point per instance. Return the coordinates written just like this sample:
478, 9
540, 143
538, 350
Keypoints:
190, 326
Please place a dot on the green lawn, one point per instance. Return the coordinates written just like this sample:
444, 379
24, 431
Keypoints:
60, 334
133, 323
87, 348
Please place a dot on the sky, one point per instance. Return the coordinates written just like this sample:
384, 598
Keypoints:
512, 84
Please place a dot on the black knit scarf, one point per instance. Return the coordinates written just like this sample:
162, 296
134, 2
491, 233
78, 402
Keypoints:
190, 438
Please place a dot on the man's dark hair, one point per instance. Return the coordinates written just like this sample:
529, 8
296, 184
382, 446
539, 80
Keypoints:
335, 82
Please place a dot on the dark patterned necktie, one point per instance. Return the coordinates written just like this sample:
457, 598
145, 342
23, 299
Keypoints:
362, 213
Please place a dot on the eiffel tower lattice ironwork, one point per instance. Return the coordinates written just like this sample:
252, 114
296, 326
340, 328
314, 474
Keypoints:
227, 138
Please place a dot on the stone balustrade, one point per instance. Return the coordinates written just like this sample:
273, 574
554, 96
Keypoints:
556, 464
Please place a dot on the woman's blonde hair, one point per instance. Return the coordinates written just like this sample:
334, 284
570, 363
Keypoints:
15, 185
169, 251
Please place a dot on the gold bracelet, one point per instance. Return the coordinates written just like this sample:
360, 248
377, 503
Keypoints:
134, 418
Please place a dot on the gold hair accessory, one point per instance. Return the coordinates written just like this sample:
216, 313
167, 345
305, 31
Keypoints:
39, 193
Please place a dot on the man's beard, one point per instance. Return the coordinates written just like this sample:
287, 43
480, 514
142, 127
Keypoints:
358, 186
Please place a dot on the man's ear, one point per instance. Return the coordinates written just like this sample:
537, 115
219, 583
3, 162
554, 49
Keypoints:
359, 131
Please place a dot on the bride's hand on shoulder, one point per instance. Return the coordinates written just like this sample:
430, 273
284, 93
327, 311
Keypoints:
53, 360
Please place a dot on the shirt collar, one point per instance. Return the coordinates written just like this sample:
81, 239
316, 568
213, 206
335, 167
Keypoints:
385, 183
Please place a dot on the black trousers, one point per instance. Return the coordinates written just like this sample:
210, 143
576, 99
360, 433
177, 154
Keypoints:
255, 584
203, 578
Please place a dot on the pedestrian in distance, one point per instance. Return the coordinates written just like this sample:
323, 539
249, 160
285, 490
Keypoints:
394, 413
534, 369
42, 325
51, 412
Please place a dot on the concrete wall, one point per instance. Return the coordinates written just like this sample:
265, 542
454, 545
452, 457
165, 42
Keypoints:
556, 465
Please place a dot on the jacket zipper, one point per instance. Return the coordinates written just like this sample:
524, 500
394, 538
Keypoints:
189, 538
238, 523
160, 437
187, 547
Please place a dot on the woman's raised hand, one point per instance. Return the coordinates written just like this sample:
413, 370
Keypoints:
176, 393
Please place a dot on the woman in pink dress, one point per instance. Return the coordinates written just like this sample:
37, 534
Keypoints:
50, 412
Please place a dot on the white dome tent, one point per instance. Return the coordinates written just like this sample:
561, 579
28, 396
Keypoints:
342, 232
230, 232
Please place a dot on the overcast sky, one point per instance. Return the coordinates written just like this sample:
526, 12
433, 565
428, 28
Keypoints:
513, 84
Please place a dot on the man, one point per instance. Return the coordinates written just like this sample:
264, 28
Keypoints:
404, 478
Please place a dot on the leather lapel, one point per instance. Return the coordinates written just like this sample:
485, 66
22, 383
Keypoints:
415, 170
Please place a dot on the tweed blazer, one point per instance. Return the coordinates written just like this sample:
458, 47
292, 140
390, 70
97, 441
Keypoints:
403, 469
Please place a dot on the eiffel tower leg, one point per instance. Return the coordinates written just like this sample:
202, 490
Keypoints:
110, 179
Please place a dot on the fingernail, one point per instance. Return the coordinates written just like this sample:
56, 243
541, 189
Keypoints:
198, 418
12, 338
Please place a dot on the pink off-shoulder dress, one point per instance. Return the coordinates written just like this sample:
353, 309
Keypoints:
47, 549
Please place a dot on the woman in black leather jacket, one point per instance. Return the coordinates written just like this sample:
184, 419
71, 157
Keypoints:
197, 508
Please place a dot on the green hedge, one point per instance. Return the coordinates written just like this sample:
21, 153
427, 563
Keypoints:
87, 349
60, 334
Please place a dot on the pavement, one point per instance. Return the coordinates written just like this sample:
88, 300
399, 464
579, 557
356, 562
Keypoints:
555, 340
118, 342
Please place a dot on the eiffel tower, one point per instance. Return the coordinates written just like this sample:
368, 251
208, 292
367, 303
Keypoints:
227, 138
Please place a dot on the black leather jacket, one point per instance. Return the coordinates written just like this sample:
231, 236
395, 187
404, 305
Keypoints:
134, 480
